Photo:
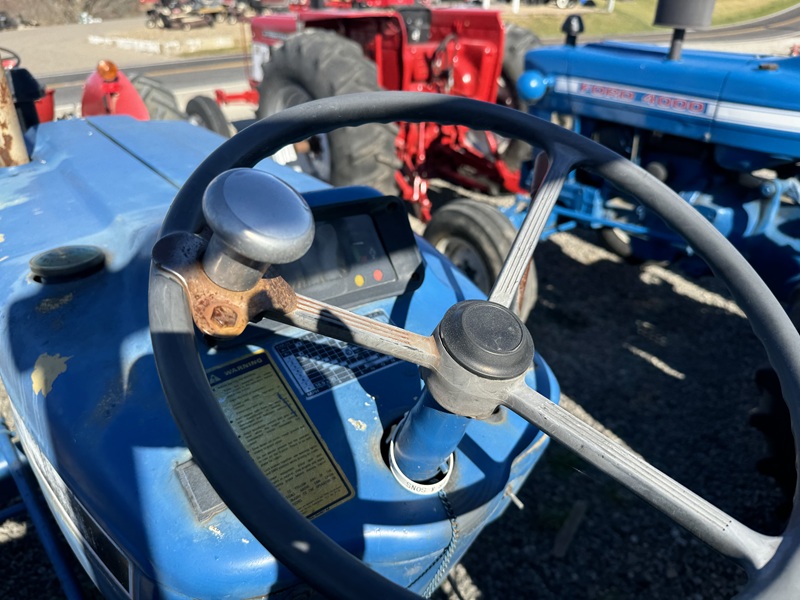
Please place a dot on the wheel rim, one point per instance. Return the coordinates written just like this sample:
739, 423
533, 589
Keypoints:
316, 160
505, 97
469, 261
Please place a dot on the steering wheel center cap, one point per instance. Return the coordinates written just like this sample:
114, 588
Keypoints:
487, 339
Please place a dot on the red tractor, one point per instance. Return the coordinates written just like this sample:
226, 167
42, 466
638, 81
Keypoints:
108, 91
306, 52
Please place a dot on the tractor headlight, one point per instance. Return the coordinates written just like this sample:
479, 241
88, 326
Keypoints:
532, 86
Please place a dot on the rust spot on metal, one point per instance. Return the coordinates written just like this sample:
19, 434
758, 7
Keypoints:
178, 254
46, 371
50, 304
224, 316
12, 151
8, 144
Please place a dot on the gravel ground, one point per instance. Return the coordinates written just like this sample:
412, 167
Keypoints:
665, 363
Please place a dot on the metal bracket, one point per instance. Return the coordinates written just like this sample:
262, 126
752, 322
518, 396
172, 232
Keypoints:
216, 311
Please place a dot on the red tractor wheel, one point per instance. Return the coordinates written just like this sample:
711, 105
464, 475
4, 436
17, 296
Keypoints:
318, 64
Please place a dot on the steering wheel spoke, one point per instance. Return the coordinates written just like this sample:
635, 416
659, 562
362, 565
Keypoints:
343, 325
548, 179
722, 532
224, 313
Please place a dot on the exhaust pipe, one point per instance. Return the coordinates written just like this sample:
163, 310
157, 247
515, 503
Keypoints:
682, 15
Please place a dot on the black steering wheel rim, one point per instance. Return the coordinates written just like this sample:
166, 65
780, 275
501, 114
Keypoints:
297, 543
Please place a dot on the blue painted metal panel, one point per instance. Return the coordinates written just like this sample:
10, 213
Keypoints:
84, 175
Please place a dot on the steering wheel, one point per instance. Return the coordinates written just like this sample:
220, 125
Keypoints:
9, 59
772, 563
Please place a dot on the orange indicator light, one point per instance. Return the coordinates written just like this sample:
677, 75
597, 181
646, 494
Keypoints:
107, 70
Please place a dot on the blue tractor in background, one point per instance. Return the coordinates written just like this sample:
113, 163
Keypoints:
721, 129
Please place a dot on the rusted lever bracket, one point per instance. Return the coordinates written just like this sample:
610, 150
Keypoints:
216, 311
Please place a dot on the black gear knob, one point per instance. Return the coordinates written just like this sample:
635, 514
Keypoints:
257, 220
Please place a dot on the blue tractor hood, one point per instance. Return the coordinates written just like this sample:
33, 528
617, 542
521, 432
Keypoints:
87, 179
735, 100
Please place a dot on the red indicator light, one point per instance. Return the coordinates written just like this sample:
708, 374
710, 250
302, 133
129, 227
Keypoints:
378, 275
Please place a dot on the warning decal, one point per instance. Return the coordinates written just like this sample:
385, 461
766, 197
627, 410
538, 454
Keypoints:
278, 434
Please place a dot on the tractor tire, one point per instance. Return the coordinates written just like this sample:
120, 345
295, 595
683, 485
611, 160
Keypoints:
518, 41
319, 64
476, 237
204, 112
160, 102
771, 418
619, 242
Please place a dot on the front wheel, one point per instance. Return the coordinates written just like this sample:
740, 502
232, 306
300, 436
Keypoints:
204, 112
476, 237
160, 101
619, 242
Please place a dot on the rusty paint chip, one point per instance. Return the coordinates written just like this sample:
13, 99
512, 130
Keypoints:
45, 372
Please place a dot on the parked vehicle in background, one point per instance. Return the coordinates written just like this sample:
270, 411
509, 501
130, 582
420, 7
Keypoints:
7, 21
108, 91
721, 129
183, 14
306, 52
309, 51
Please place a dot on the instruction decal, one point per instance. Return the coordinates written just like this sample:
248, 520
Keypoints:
318, 363
278, 434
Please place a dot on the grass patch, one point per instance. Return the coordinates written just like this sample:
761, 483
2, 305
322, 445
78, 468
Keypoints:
636, 16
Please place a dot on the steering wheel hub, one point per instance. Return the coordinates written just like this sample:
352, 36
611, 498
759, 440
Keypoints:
487, 339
